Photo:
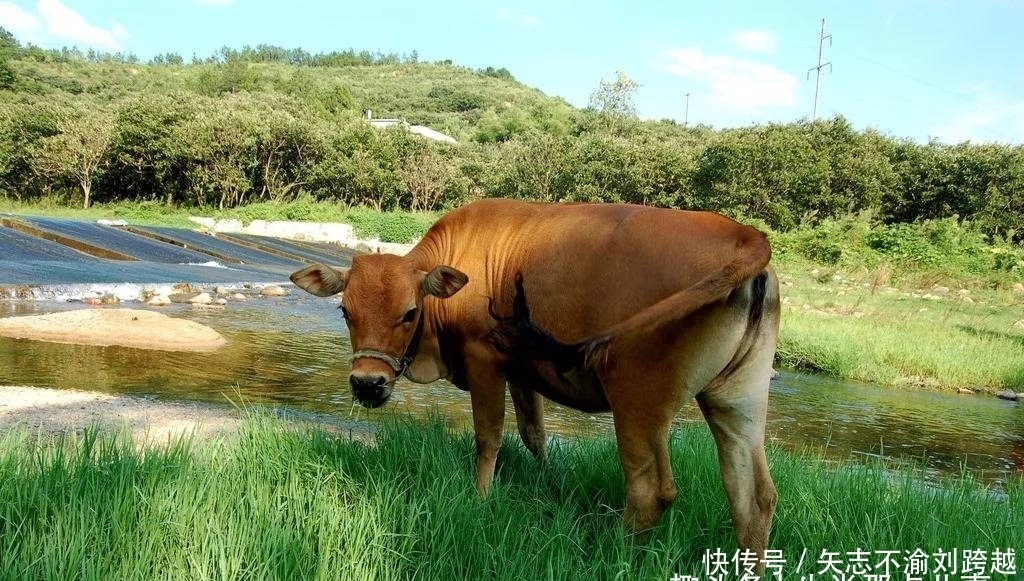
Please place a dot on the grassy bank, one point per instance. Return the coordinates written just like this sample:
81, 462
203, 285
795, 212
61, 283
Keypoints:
931, 305
935, 304
839, 324
284, 503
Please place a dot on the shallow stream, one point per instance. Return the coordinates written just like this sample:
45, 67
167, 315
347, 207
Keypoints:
291, 353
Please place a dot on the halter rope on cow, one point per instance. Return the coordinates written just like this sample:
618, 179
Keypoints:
399, 365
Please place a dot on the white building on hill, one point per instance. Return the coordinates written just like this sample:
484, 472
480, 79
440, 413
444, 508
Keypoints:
420, 130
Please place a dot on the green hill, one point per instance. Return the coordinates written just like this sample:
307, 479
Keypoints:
452, 99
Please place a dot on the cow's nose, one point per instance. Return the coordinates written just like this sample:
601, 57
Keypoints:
371, 390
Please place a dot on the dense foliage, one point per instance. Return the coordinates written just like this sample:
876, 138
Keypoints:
271, 124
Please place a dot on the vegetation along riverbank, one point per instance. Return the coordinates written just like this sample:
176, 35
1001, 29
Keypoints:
280, 501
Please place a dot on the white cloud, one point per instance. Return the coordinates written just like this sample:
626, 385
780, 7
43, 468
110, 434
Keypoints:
64, 23
755, 40
119, 32
992, 116
55, 23
522, 18
21, 23
736, 85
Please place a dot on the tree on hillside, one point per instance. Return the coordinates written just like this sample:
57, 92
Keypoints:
219, 148
79, 150
8, 40
9, 46
428, 177
615, 98
145, 156
7, 77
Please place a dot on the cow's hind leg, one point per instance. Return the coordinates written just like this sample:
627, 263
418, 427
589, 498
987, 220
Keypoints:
735, 409
529, 407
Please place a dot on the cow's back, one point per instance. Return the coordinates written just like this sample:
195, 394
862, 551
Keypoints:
585, 267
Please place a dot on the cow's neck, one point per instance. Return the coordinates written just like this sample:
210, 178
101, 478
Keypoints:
429, 364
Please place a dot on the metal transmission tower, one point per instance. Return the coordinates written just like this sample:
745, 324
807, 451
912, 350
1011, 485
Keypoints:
821, 65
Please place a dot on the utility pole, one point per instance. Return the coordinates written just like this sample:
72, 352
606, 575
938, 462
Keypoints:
821, 65
686, 115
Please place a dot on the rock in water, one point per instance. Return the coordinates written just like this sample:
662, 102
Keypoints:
159, 301
201, 299
273, 291
1007, 394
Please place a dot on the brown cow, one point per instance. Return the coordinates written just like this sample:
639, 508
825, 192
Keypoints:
598, 307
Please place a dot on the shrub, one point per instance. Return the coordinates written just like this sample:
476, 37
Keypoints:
399, 227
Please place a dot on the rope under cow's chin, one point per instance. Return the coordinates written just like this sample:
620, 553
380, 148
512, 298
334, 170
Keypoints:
400, 366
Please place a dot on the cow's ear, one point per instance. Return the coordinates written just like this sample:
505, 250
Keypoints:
321, 280
443, 282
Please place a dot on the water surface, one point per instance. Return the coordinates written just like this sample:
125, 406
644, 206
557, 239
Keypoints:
292, 352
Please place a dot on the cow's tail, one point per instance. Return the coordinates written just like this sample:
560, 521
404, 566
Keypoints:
752, 256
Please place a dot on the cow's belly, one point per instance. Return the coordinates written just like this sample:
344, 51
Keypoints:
576, 388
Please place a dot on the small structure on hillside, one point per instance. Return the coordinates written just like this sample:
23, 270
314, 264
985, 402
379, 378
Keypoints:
421, 130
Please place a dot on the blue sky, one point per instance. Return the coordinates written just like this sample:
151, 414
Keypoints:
921, 69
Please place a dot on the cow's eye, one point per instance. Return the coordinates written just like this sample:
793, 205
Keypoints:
344, 312
409, 316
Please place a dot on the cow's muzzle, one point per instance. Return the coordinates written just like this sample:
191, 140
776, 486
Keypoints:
372, 390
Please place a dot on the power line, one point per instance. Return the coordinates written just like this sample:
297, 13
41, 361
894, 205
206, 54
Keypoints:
821, 65
902, 73
919, 108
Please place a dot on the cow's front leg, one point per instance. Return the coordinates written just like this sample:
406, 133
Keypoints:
529, 407
487, 394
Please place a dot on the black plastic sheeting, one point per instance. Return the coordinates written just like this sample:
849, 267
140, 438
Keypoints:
179, 257
305, 251
15, 246
46, 273
219, 247
113, 238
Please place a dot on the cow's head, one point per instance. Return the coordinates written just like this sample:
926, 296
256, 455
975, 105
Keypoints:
383, 308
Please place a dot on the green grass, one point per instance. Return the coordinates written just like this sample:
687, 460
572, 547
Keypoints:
142, 213
280, 502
